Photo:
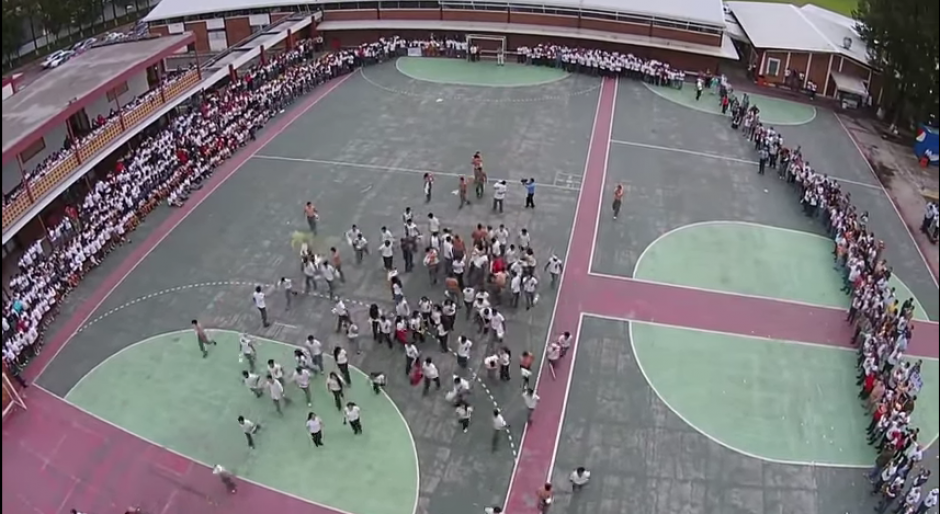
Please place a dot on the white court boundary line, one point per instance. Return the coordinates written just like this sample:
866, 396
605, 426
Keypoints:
551, 325
649, 382
665, 235
472, 84
394, 169
884, 190
152, 338
768, 122
723, 158
294, 115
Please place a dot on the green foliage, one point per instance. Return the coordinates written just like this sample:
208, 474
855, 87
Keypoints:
903, 39
56, 15
13, 18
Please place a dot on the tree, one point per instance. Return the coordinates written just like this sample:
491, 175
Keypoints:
903, 39
54, 15
13, 20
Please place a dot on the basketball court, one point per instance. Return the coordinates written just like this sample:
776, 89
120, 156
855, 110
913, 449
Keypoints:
711, 292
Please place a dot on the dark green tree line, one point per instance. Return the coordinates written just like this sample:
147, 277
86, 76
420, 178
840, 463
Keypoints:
903, 39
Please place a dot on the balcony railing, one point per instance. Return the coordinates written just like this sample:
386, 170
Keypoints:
129, 120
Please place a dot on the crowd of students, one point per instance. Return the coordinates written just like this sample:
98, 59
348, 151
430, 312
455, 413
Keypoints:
602, 63
883, 322
73, 143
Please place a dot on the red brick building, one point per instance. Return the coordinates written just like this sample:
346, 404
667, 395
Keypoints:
686, 33
812, 43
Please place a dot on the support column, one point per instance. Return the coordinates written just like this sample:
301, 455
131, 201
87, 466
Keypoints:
289, 42
828, 74
29, 190
71, 133
120, 113
809, 64
233, 73
262, 56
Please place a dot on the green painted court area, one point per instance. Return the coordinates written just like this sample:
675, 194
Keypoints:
483, 73
771, 399
751, 259
773, 111
162, 390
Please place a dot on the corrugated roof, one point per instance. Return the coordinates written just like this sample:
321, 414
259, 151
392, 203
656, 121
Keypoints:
838, 29
707, 12
168, 9
780, 27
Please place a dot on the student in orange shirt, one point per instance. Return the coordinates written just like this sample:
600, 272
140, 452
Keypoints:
618, 200
462, 189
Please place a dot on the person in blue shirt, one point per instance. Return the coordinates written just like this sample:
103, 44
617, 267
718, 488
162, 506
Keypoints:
529, 193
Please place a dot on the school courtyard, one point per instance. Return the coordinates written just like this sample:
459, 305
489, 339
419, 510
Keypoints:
711, 375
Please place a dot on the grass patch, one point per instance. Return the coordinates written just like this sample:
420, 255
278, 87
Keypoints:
840, 6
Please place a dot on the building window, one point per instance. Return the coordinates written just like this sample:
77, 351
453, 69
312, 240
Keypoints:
773, 67
33, 149
117, 91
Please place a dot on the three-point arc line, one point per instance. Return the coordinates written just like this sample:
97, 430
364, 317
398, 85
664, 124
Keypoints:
162, 292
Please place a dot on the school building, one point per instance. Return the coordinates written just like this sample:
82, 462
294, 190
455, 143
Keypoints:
790, 46
94, 101
688, 34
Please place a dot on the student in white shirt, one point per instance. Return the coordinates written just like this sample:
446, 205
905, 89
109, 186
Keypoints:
530, 286
315, 349
464, 345
531, 402
431, 374
554, 268
258, 298
342, 362
249, 428
353, 415
252, 382
499, 195
288, 287
411, 357
464, 411
301, 377
352, 334
315, 428
387, 251
499, 426
564, 342
247, 349
276, 371
342, 315
579, 478
276, 390
335, 386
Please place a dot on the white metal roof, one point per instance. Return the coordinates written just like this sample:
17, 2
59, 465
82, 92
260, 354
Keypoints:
707, 12
774, 26
168, 9
838, 29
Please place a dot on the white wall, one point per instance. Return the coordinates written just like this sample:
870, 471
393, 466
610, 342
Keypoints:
136, 86
11, 176
54, 138
100, 105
